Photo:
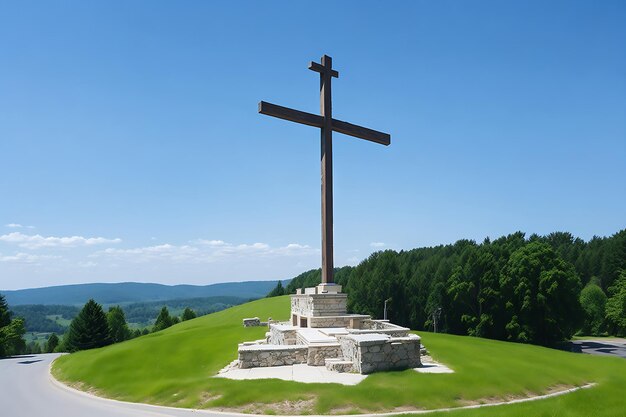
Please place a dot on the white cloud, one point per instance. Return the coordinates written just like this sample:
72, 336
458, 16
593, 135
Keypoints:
38, 241
206, 251
26, 258
377, 244
208, 242
17, 226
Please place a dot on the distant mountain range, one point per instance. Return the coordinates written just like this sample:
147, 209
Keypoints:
133, 292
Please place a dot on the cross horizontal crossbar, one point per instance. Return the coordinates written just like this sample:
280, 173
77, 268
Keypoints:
315, 120
314, 66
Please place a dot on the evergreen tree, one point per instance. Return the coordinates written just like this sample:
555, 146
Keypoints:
188, 314
52, 343
5, 314
277, 291
89, 329
163, 320
11, 332
118, 329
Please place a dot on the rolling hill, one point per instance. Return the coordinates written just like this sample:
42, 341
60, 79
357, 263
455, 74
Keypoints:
134, 292
183, 358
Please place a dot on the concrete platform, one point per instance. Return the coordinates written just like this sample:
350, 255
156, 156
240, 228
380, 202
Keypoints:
433, 368
298, 373
315, 336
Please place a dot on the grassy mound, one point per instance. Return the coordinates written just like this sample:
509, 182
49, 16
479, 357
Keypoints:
175, 367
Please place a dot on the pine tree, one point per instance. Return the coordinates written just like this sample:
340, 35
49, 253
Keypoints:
53, 342
5, 314
11, 332
89, 329
278, 290
118, 329
163, 320
188, 314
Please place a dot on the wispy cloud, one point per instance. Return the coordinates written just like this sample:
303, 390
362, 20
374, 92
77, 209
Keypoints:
26, 258
205, 251
17, 226
378, 244
208, 242
38, 241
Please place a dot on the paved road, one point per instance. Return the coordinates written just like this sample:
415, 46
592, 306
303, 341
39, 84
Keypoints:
26, 390
608, 347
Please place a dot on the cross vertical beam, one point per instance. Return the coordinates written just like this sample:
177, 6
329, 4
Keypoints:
327, 124
327, 171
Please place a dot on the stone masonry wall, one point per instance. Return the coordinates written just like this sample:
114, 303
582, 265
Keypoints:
319, 353
339, 321
251, 322
257, 356
319, 304
280, 336
381, 355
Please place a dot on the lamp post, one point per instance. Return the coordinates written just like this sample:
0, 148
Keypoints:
436, 315
385, 310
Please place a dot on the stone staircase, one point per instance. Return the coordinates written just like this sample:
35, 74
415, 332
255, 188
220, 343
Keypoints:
339, 365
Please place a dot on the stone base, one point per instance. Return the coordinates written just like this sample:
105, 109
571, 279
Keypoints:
378, 352
321, 332
258, 355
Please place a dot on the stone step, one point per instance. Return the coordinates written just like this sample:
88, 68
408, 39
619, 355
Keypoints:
339, 365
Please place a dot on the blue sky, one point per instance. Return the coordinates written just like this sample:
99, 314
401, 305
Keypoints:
131, 148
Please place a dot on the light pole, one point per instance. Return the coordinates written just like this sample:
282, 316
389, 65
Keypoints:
436, 315
385, 311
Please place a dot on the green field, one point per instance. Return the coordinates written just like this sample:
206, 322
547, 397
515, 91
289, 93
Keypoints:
175, 367
39, 337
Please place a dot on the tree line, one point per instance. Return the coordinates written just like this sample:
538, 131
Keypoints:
536, 289
56, 318
91, 328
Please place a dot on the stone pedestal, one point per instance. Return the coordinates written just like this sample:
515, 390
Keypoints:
321, 332
321, 306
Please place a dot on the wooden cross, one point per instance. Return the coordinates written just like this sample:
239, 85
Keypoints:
327, 124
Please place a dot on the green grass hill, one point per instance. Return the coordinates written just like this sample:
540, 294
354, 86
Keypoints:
176, 366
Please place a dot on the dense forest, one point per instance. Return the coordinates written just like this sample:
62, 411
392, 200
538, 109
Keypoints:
535, 289
56, 318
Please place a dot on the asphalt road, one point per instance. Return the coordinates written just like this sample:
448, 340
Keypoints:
608, 347
27, 390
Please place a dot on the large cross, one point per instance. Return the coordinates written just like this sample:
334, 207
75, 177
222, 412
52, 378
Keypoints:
327, 124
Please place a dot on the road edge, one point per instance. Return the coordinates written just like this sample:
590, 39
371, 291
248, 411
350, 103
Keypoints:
63, 386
